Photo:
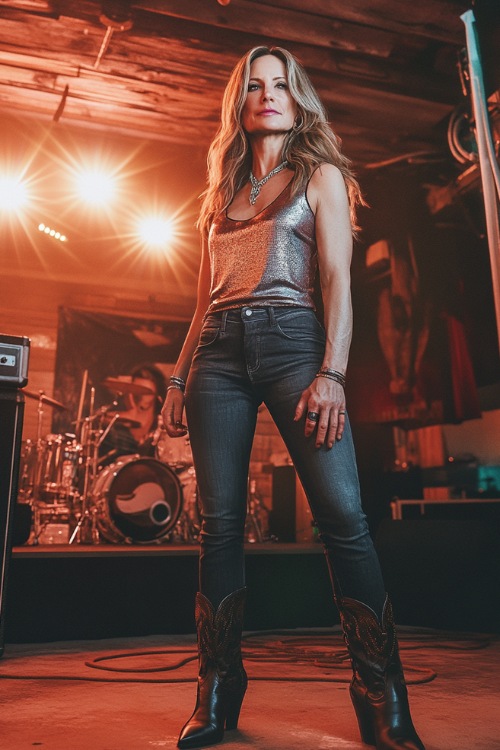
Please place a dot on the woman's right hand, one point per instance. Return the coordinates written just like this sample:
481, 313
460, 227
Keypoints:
172, 412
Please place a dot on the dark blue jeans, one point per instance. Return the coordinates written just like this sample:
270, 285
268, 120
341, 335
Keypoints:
249, 356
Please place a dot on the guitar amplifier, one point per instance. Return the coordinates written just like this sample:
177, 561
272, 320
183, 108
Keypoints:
14, 355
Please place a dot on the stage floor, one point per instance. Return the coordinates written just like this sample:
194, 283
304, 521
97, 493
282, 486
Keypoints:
53, 699
28, 551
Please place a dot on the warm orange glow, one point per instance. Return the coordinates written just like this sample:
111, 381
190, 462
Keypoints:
111, 210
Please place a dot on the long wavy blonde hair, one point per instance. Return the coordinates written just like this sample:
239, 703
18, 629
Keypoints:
310, 143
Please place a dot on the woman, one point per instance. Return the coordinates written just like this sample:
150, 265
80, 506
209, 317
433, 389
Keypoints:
280, 200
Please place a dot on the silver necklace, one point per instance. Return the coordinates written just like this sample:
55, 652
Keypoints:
257, 184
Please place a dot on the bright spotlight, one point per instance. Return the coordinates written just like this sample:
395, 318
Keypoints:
96, 187
156, 231
13, 194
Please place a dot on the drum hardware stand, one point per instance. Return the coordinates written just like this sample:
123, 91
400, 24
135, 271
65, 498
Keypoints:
85, 522
86, 527
37, 479
187, 528
85, 530
255, 508
24, 474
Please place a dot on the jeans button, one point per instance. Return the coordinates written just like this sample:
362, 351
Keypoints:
248, 313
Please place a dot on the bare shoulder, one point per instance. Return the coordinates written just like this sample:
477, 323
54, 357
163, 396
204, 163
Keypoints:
326, 185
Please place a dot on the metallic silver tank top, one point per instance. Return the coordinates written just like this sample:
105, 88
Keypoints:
270, 259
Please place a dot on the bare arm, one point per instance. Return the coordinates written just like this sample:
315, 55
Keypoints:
328, 199
173, 408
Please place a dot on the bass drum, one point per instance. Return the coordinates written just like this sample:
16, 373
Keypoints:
138, 500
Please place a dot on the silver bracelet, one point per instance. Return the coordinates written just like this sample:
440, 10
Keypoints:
175, 387
179, 383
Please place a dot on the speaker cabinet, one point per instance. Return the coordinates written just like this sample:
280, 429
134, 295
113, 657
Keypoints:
11, 424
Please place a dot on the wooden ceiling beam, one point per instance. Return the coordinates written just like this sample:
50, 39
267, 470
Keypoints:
164, 78
38, 6
292, 25
429, 19
137, 57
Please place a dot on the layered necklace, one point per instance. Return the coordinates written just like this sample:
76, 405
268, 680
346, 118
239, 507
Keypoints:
257, 184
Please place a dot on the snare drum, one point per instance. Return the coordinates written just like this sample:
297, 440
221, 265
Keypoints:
138, 500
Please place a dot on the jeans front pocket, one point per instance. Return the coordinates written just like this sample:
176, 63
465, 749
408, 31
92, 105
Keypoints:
209, 334
302, 325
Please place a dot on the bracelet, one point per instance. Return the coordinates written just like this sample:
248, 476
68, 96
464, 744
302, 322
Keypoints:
177, 379
332, 375
175, 387
179, 383
329, 371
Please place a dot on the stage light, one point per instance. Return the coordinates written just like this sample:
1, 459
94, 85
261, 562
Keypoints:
13, 194
52, 232
156, 231
96, 187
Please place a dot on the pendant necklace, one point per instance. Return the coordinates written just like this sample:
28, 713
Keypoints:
257, 184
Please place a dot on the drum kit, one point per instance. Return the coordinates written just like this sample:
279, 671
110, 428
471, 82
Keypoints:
137, 499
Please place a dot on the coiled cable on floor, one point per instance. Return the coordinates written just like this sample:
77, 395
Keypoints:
321, 651
314, 649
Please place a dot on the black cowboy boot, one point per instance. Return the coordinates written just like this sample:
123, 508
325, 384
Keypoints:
378, 688
222, 679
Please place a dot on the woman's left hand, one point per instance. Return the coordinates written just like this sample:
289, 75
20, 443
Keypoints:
323, 404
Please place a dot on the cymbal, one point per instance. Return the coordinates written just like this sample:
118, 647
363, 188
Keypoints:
40, 396
127, 386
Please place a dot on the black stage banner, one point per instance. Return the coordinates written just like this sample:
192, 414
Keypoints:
107, 346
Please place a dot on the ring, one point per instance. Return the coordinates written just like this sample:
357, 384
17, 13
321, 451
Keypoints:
312, 416
341, 412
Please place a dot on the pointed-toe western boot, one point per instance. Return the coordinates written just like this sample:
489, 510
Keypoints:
378, 688
222, 679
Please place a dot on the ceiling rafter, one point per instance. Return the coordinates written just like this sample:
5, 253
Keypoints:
165, 76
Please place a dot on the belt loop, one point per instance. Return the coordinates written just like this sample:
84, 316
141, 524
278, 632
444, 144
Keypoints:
223, 321
272, 316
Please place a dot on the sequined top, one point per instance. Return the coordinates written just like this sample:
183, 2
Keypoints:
270, 259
